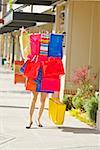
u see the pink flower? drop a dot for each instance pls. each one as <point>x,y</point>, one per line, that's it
<point>80,75</point>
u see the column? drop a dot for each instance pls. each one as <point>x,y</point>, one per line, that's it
<point>98,112</point>
<point>0,50</point>
<point>17,47</point>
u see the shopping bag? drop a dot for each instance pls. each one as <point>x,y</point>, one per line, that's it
<point>19,62</point>
<point>38,83</point>
<point>44,44</point>
<point>38,88</point>
<point>43,58</point>
<point>17,69</point>
<point>53,67</point>
<point>50,84</point>
<point>35,43</point>
<point>22,68</point>
<point>32,68</point>
<point>30,85</point>
<point>24,40</point>
<point>55,45</point>
<point>56,111</point>
<point>18,76</point>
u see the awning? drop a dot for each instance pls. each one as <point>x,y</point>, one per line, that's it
<point>35,2</point>
<point>6,29</point>
<point>15,20</point>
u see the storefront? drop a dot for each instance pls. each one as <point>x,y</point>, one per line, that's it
<point>82,46</point>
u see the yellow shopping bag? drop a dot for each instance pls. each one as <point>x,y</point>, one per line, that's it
<point>56,111</point>
<point>25,44</point>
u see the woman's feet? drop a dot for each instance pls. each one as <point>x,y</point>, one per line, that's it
<point>39,123</point>
<point>29,126</point>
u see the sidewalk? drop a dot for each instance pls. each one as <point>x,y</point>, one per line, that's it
<point>14,101</point>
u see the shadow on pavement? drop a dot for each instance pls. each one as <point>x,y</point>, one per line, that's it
<point>70,129</point>
<point>15,92</point>
<point>79,130</point>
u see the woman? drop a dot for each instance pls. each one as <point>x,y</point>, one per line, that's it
<point>32,107</point>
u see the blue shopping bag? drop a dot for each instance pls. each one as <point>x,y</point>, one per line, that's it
<point>55,45</point>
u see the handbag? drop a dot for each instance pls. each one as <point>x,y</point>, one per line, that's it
<point>32,68</point>
<point>56,111</point>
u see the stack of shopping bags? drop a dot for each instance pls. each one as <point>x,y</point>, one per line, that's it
<point>43,66</point>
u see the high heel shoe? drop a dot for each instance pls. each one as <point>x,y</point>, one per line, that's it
<point>28,127</point>
<point>40,125</point>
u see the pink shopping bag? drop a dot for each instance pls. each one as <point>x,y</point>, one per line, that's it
<point>50,84</point>
<point>35,43</point>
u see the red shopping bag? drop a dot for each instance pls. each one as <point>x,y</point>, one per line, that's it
<point>42,58</point>
<point>30,85</point>
<point>50,84</point>
<point>32,68</point>
<point>53,67</point>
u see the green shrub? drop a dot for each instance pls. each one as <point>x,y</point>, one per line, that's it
<point>82,117</point>
<point>91,106</point>
<point>77,102</point>
<point>68,101</point>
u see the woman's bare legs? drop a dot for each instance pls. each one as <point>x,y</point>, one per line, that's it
<point>56,95</point>
<point>43,98</point>
<point>31,108</point>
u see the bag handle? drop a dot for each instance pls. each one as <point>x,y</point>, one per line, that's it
<point>35,58</point>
